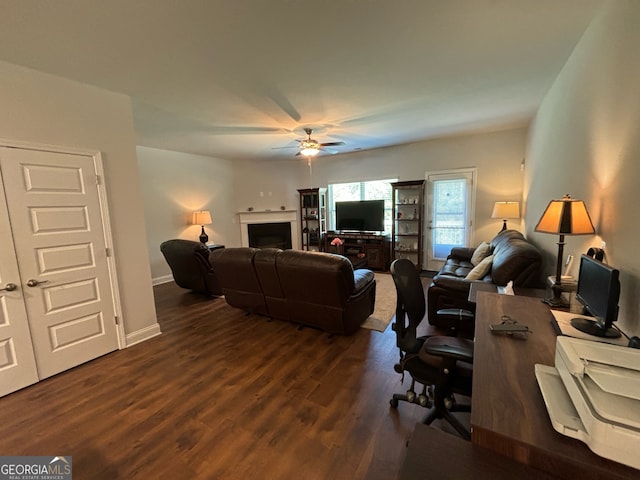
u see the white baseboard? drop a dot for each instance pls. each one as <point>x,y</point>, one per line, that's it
<point>143,334</point>
<point>160,280</point>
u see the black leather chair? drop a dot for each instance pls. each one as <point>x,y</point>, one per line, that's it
<point>440,363</point>
<point>190,266</point>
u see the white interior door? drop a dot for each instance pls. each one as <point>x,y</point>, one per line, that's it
<point>54,210</point>
<point>450,204</point>
<point>17,360</point>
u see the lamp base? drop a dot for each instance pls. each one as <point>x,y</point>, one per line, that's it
<point>556,300</point>
<point>204,238</point>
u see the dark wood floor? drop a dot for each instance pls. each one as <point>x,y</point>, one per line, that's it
<point>221,395</point>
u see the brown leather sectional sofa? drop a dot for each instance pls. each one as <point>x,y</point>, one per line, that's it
<point>317,289</point>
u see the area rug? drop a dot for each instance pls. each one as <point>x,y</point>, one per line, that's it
<point>385,304</point>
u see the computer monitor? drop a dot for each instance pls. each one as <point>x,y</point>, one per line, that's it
<point>598,292</point>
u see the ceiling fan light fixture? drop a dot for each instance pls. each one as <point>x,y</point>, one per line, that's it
<point>309,148</point>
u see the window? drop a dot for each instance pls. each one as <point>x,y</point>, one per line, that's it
<point>371,190</point>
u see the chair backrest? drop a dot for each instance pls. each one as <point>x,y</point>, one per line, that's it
<point>410,306</point>
<point>189,263</point>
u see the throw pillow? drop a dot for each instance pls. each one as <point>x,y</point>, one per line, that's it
<point>480,270</point>
<point>481,252</point>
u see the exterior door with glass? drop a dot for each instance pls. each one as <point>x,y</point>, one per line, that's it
<point>450,206</point>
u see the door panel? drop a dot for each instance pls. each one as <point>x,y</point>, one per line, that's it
<point>450,203</point>
<point>55,213</point>
<point>17,361</point>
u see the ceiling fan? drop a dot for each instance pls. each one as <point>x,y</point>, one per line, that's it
<point>310,147</point>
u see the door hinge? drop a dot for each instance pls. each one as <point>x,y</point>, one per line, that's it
<point>108,251</point>
<point>98,180</point>
<point>116,319</point>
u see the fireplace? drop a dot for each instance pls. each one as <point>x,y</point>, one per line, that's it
<point>263,219</point>
<point>270,235</point>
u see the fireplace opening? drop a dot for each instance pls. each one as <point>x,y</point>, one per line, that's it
<point>270,235</point>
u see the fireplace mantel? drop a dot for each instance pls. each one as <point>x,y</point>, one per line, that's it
<point>269,216</point>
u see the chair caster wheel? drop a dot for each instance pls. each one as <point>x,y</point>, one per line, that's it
<point>423,400</point>
<point>411,396</point>
<point>394,403</point>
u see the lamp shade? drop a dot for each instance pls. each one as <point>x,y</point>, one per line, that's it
<point>506,210</point>
<point>202,218</point>
<point>566,217</point>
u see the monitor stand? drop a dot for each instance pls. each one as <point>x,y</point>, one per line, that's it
<point>593,328</point>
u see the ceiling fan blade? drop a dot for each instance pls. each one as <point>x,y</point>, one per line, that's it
<point>332,144</point>
<point>280,148</point>
<point>242,130</point>
<point>329,150</point>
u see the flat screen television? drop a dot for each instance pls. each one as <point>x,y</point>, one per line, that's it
<point>360,216</point>
<point>599,293</point>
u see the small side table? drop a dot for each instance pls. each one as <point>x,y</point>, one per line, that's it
<point>214,246</point>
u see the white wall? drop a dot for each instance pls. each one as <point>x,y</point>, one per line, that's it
<point>173,186</point>
<point>585,141</point>
<point>45,109</point>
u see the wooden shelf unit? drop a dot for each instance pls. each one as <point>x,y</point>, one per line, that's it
<point>408,221</point>
<point>313,218</point>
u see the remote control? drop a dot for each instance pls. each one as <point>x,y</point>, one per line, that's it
<point>508,328</point>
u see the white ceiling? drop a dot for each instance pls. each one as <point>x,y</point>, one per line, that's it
<point>237,78</point>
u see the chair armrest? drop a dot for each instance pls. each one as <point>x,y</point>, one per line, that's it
<point>454,348</point>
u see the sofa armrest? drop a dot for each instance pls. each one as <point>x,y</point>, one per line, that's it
<point>361,279</point>
<point>450,282</point>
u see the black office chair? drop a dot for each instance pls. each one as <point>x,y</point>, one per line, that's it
<point>190,266</point>
<point>442,364</point>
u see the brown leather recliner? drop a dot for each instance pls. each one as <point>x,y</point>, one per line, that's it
<point>514,259</point>
<point>189,263</point>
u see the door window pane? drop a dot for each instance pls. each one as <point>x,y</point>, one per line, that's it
<point>449,215</point>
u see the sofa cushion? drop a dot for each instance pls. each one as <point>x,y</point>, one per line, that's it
<point>481,269</point>
<point>455,267</point>
<point>481,252</point>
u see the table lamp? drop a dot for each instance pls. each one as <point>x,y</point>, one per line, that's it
<point>202,218</point>
<point>564,217</point>
<point>506,210</point>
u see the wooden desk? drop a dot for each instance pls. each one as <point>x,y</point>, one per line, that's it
<point>433,453</point>
<point>508,414</point>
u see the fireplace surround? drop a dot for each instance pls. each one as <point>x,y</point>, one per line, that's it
<point>269,217</point>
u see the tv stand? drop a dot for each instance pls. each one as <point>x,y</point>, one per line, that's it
<point>372,247</point>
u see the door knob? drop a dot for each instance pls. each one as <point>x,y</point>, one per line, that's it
<point>9,288</point>
<point>34,283</point>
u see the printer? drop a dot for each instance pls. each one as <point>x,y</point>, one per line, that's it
<point>593,394</point>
